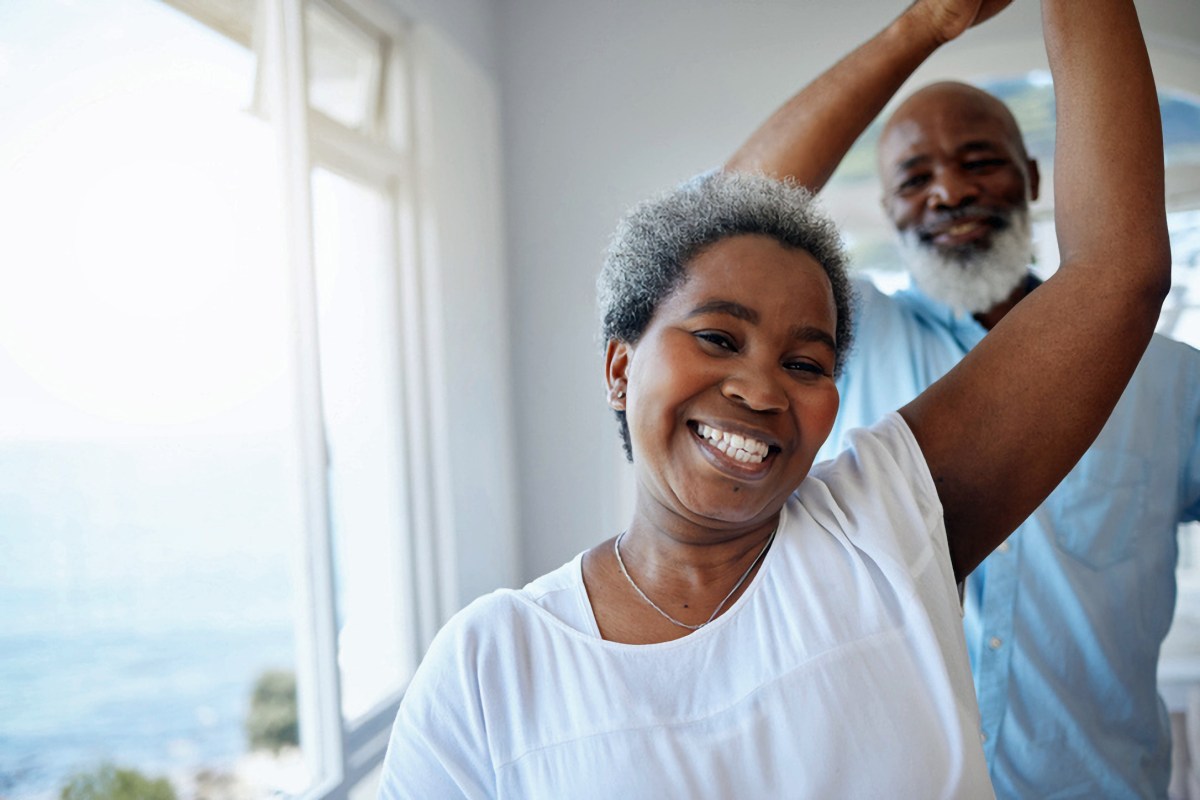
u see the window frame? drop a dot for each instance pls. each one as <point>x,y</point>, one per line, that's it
<point>340,754</point>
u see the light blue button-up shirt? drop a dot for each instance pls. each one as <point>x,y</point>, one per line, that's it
<point>1064,621</point>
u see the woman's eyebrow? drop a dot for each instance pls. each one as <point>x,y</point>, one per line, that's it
<point>803,333</point>
<point>725,307</point>
<point>811,333</point>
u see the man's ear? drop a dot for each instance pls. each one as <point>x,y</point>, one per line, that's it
<point>1035,179</point>
<point>885,205</point>
<point>616,372</point>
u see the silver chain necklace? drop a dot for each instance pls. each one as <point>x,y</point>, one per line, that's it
<point>720,605</point>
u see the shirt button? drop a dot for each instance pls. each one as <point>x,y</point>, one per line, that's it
<point>983,737</point>
<point>1003,548</point>
<point>995,643</point>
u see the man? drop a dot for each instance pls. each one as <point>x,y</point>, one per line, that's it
<point>1064,622</point>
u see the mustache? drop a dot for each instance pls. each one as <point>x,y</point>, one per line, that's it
<point>999,219</point>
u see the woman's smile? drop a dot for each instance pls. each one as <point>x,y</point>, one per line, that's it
<point>741,455</point>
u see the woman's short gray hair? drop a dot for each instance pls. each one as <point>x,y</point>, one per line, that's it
<point>652,246</point>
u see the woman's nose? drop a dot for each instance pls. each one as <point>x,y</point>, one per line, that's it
<point>756,389</point>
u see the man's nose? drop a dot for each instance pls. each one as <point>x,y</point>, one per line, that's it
<point>952,189</point>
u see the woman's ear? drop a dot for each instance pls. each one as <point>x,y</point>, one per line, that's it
<point>616,369</point>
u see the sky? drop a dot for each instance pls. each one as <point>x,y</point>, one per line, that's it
<point>144,286</point>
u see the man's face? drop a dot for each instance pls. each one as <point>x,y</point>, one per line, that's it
<point>957,186</point>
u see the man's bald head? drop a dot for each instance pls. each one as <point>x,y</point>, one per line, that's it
<point>928,106</point>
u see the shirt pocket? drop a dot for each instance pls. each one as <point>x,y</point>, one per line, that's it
<point>1099,509</point>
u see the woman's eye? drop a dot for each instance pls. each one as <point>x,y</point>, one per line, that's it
<point>719,339</point>
<point>806,367</point>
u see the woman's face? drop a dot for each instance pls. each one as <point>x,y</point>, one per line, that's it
<point>729,393</point>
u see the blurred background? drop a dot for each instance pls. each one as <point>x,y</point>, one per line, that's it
<point>298,350</point>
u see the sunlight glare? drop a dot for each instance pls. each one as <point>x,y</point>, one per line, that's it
<point>144,282</point>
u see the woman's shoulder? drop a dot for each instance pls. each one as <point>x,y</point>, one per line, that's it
<point>881,473</point>
<point>477,626</point>
<point>887,445</point>
<point>492,621</point>
<point>563,579</point>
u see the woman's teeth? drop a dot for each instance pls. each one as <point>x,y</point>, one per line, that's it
<point>736,446</point>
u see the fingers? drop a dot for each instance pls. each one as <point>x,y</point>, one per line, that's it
<point>989,9</point>
<point>948,19</point>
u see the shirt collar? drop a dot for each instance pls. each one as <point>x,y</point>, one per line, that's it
<point>937,312</point>
<point>962,323</point>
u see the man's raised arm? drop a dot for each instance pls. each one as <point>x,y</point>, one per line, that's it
<point>1005,425</point>
<point>809,135</point>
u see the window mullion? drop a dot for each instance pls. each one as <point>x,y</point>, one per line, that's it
<point>318,688</point>
<point>429,545</point>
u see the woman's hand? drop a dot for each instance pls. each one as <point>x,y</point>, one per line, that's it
<point>947,19</point>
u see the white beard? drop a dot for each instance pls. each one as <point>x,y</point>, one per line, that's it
<point>972,283</point>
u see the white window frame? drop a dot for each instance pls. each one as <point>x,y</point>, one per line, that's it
<point>340,754</point>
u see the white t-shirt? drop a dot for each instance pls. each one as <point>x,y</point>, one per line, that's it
<point>841,672</point>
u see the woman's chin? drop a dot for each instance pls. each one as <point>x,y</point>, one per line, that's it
<point>743,511</point>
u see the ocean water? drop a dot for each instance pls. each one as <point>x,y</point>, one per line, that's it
<point>167,702</point>
<point>144,586</point>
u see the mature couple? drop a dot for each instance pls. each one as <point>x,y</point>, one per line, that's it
<point>766,627</point>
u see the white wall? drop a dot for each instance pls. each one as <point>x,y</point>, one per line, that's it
<point>463,241</point>
<point>468,26</point>
<point>606,102</point>
<point>462,244</point>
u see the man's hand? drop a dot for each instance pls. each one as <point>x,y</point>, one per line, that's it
<point>948,19</point>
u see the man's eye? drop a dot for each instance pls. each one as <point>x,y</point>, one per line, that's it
<point>719,339</point>
<point>984,164</point>
<point>912,183</point>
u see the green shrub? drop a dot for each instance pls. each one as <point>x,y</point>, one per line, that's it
<point>108,782</point>
<point>272,722</point>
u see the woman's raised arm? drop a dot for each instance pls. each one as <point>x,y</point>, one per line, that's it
<point>1002,428</point>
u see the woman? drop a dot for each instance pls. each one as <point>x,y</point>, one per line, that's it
<point>747,638</point>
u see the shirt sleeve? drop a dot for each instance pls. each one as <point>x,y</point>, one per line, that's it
<point>414,769</point>
<point>1191,477</point>
<point>882,489</point>
<point>879,495</point>
<point>439,745</point>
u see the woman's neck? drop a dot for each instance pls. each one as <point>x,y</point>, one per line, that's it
<point>665,581</point>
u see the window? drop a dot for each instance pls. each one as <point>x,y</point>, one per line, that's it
<point>210,394</point>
